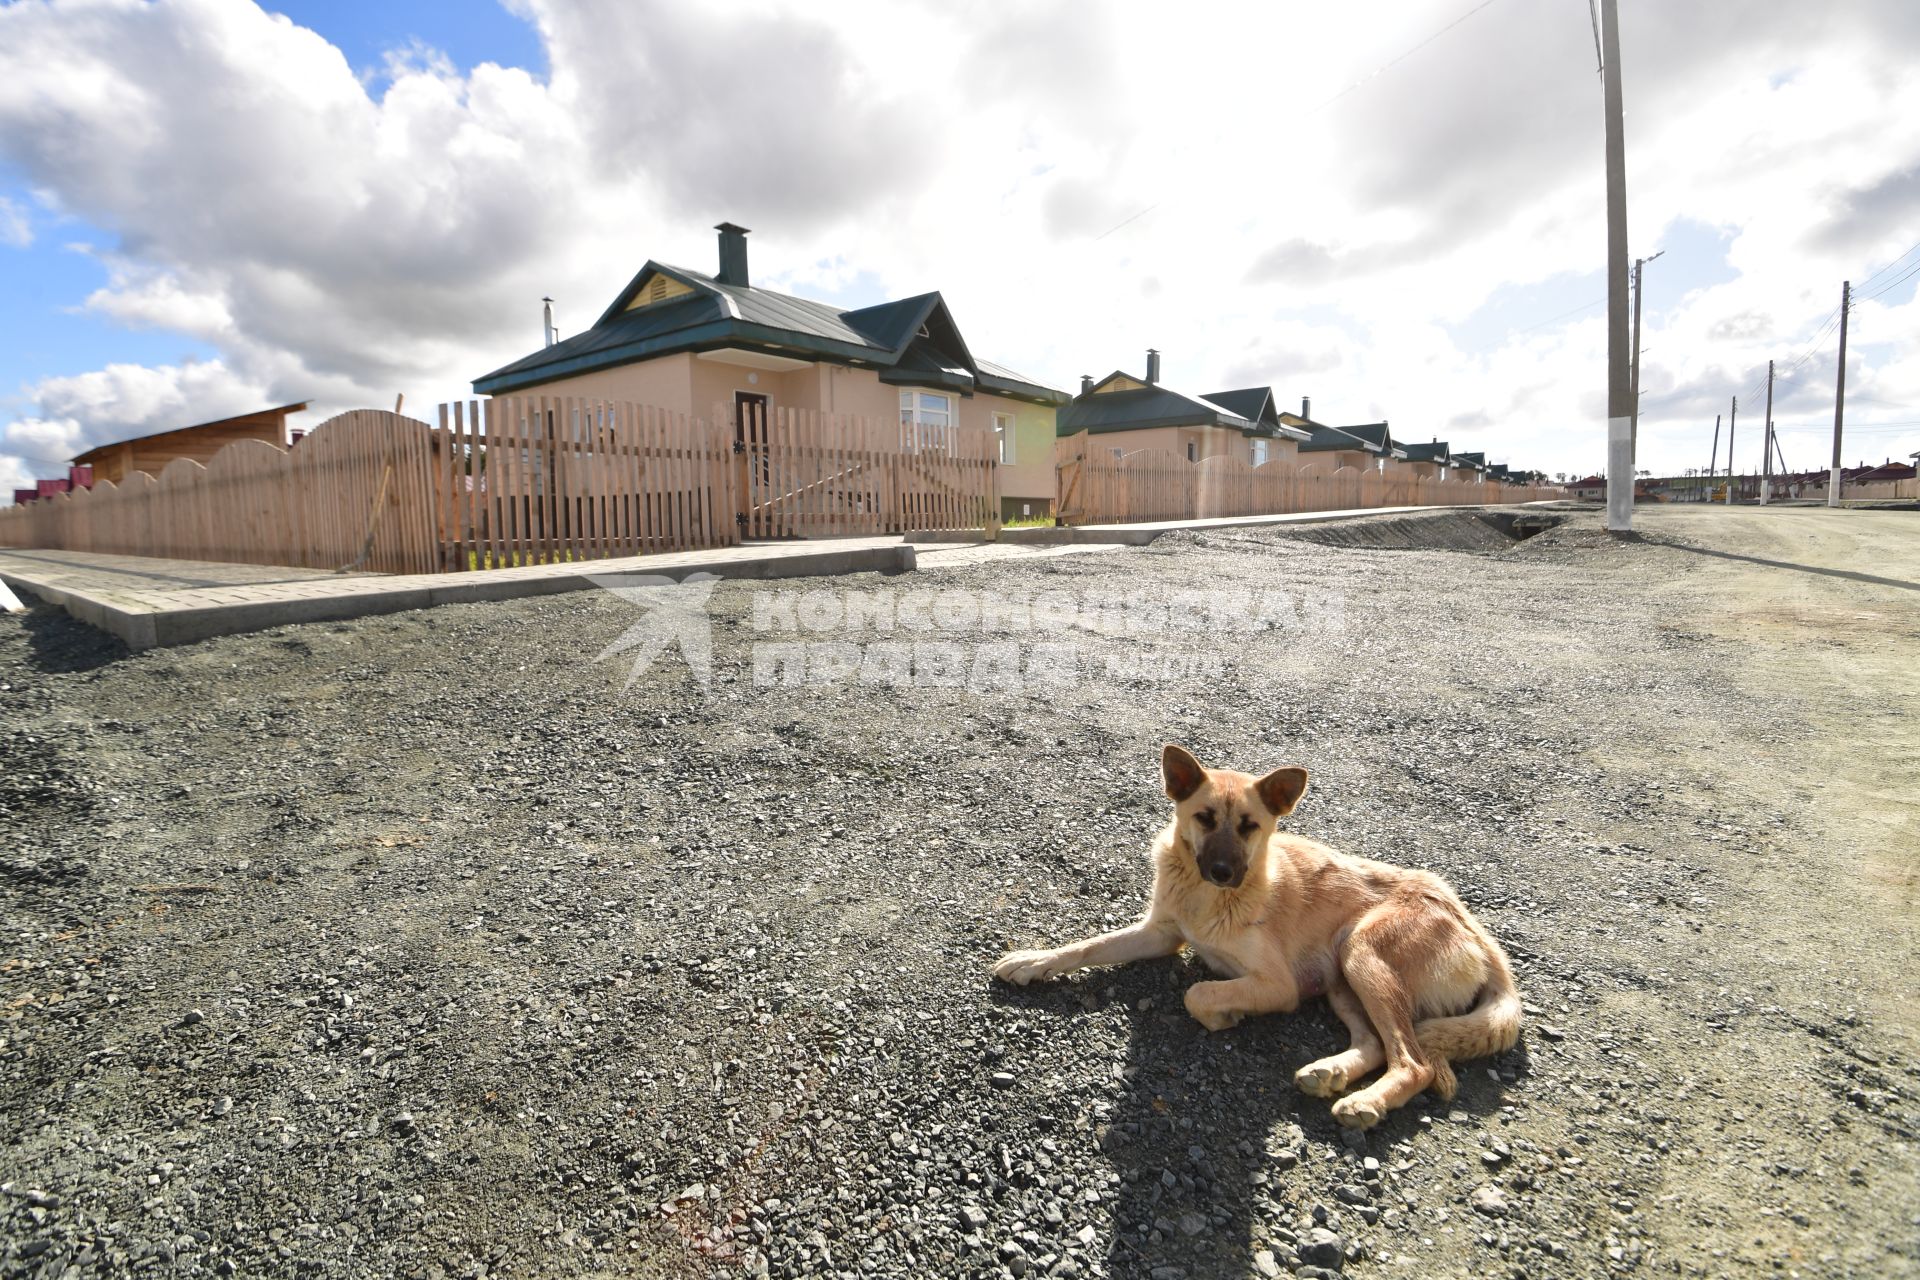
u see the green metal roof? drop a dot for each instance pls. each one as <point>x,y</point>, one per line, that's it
<point>1256,405</point>
<point>1329,439</point>
<point>1139,408</point>
<point>1434,452</point>
<point>718,315</point>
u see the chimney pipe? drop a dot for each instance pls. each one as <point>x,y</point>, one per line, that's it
<point>1306,407</point>
<point>1153,365</point>
<point>547,334</point>
<point>1086,383</point>
<point>733,254</point>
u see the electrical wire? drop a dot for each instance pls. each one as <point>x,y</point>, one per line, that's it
<point>1890,266</point>
<point>1388,66</point>
<point>1891,285</point>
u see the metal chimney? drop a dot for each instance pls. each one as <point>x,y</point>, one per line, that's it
<point>733,254</point>
<point>1153,365</point>
<point>548,335</point>
<point>1086,383</point>
<point>1306,407</point>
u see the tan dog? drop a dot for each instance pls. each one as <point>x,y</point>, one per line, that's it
<point>1418,981</point>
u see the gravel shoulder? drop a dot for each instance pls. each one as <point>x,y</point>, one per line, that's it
<point>424,945</point>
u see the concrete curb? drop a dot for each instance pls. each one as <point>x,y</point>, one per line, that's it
<point>146,627</point>
<point>1139,535</point>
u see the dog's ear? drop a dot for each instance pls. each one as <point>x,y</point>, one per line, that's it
<point>1282,789</point>
<point>1180,771</point>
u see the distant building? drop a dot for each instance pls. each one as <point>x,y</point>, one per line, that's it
<point>151,453</point>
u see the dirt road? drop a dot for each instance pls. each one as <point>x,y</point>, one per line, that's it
<point>425,945</point>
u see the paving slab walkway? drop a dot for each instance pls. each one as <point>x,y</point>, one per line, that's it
<point>1139,535</point>
<point>152,602</point>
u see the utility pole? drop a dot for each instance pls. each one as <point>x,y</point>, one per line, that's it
<point>1839,394</point>
<point>1732,422</point>
<point>1766,444</point>
<point>1619,389</point>
<point>1715,459</point>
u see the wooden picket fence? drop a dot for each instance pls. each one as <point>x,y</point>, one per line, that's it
<point>1148,485</point>
<point>543,479</point>
<point>803,473</point>
<point>521,480</point>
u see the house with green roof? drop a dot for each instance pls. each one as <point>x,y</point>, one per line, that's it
<point>704,344</point>
<point>1428,461</point>
<point>1129,413</point>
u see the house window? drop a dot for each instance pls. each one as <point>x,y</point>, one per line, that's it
<point>1003,432</point>
<point>1259,452</point>
<point>927,417</point>
<point>1193,451</point>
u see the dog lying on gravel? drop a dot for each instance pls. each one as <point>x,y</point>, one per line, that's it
<point>1419,982</point>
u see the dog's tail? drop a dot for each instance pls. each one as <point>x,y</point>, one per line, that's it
<point>1491,1026</point>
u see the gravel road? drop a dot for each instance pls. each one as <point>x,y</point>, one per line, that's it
<point>425,946</point>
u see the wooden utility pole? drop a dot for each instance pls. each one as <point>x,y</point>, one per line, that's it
<point>1839,395</point>
<point>1715,459</point>
<point>1766,443</point>
<point>1619,388</point>
<point>1733,420</point>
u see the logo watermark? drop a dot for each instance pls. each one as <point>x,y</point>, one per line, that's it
<point>983,641</point>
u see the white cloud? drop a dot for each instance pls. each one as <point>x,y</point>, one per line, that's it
<point>15,231</point>
<point>1081,187</point>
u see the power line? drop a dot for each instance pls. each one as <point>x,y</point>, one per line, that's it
<point>1893,284</point>
<point>1377,72</point>
<point>1882,271</point>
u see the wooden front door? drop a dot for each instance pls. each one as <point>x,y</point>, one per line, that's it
<point>750,455</point>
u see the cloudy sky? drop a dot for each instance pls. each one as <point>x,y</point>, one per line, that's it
<point>1394,208</point>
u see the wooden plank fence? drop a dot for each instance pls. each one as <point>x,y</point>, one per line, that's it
<point>802,473</point>
<point>350,494</point>
<point>529,480</point>
<point>1149,485</point>
<point>542,479</point>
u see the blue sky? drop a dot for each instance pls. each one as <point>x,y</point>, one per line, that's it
<point>469,32</point>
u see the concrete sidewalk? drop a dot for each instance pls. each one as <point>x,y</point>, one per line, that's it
<point>1139,535</point>
<point>151,603</point>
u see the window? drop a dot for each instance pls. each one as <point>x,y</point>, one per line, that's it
<point>1193,452</point>
<point>927,419</point>
<point>1003,432</point>
<point>1259,452</point>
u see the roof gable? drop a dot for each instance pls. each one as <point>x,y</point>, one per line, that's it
<point>670,282</point>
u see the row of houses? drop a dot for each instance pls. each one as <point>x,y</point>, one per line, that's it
<point>1143,413</point>
<point>687,341</point>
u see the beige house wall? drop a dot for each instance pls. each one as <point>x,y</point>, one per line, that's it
<point>684,383</point>
<point>666,382</point>
<point>1207,441</point>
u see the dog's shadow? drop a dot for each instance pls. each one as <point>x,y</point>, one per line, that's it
<point>1217,1152</point>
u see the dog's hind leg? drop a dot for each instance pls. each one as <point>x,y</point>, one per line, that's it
<point>1332,1076</point>
<point>1371,965</point>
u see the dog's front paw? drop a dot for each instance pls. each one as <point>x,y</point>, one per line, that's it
<point>1022,967</point>
<point>1323,1079</point>
<point>1208,1011</point>
<point>1358,1112</point>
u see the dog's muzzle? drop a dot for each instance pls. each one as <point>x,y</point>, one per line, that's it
<point>1222,860</point>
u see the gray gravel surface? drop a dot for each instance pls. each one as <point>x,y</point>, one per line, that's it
<point>419,946</point>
